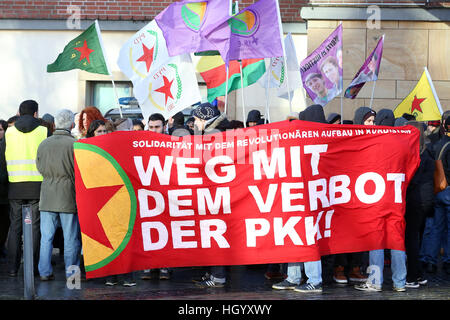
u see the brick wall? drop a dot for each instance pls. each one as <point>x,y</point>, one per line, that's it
<point>147,9</point>
<point>113,9</point>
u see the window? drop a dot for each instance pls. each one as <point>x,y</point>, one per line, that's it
<point>103,96</point>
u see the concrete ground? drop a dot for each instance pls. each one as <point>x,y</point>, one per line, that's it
<point>244,283</point>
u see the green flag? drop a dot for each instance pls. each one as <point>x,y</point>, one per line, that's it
<point>84,52</point>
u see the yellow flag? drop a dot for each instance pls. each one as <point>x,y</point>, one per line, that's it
<point>422,101</point>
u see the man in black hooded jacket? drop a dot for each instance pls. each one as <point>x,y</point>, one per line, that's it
<point>24,179</point>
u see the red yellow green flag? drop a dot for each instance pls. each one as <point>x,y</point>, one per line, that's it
<point>422,101</point>
<point>213,71</point>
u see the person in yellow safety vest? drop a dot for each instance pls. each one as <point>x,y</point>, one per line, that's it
<point>18,162</point>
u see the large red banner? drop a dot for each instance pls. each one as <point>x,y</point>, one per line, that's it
<point>282,192</point>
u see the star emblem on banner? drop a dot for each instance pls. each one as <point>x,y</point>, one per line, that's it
<point>147,56</point>
<point>92,226</point>
<point>166,88</point>
<point>84,51</point>
<point>415,105</point>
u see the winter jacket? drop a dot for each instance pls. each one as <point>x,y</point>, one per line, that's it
<point>28,190</point>
<point>55,163</point>
<point>445,155</point>
<point>420,192</point>
<point>220,123</point>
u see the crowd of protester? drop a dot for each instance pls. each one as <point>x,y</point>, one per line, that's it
<point>37,168</point>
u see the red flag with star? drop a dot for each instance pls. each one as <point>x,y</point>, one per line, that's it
<point>422,101</point>
<point>84,52</point>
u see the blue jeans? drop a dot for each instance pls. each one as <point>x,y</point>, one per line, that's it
<point>398,267</point>
<point>72,243</point>
<point>425,248</point>
<point>313,270</point>
<point>441,224</point>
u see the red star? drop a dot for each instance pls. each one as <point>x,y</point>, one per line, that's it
<point>147,57</point>
<point>84,51</point>
<point>90,202</point>
<point>166,88</point>
<point>416,104</point>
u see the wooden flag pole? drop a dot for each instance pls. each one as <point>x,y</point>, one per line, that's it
<point>242,95</point>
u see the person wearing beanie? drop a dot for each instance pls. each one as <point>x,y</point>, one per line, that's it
<point>313,113</point>
<point>365,116</point>
<point>385,117</point>
<point>254,118</point>
<point>207,119</point>
<point>334,118</point>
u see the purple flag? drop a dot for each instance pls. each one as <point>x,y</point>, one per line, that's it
<point>368,71</point>
<point>182,22</point>
<point>253,33</point>
<point>322,70</point>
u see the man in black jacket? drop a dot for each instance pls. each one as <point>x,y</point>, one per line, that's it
<point>18,158</point>
<point>441,219</point>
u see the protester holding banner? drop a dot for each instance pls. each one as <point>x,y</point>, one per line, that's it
<point>57,202</point>
<point>419,204</point>
<point>366,116</point>
<point>313,269</point>
<point>441,220</point>
<point>208,119</point>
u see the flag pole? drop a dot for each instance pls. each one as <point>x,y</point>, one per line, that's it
<point>371,97</point>
<point>284,54</point>
<point>267,91</point>
<point>242,94</point>
<point>287,81</point>
<point>97,27</point>
<point>433,90</point>
<point>226,91</point>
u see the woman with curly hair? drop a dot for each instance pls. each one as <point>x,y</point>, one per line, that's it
<point>87,115</point>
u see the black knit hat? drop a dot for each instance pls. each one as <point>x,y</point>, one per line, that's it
<point>206,111</point>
